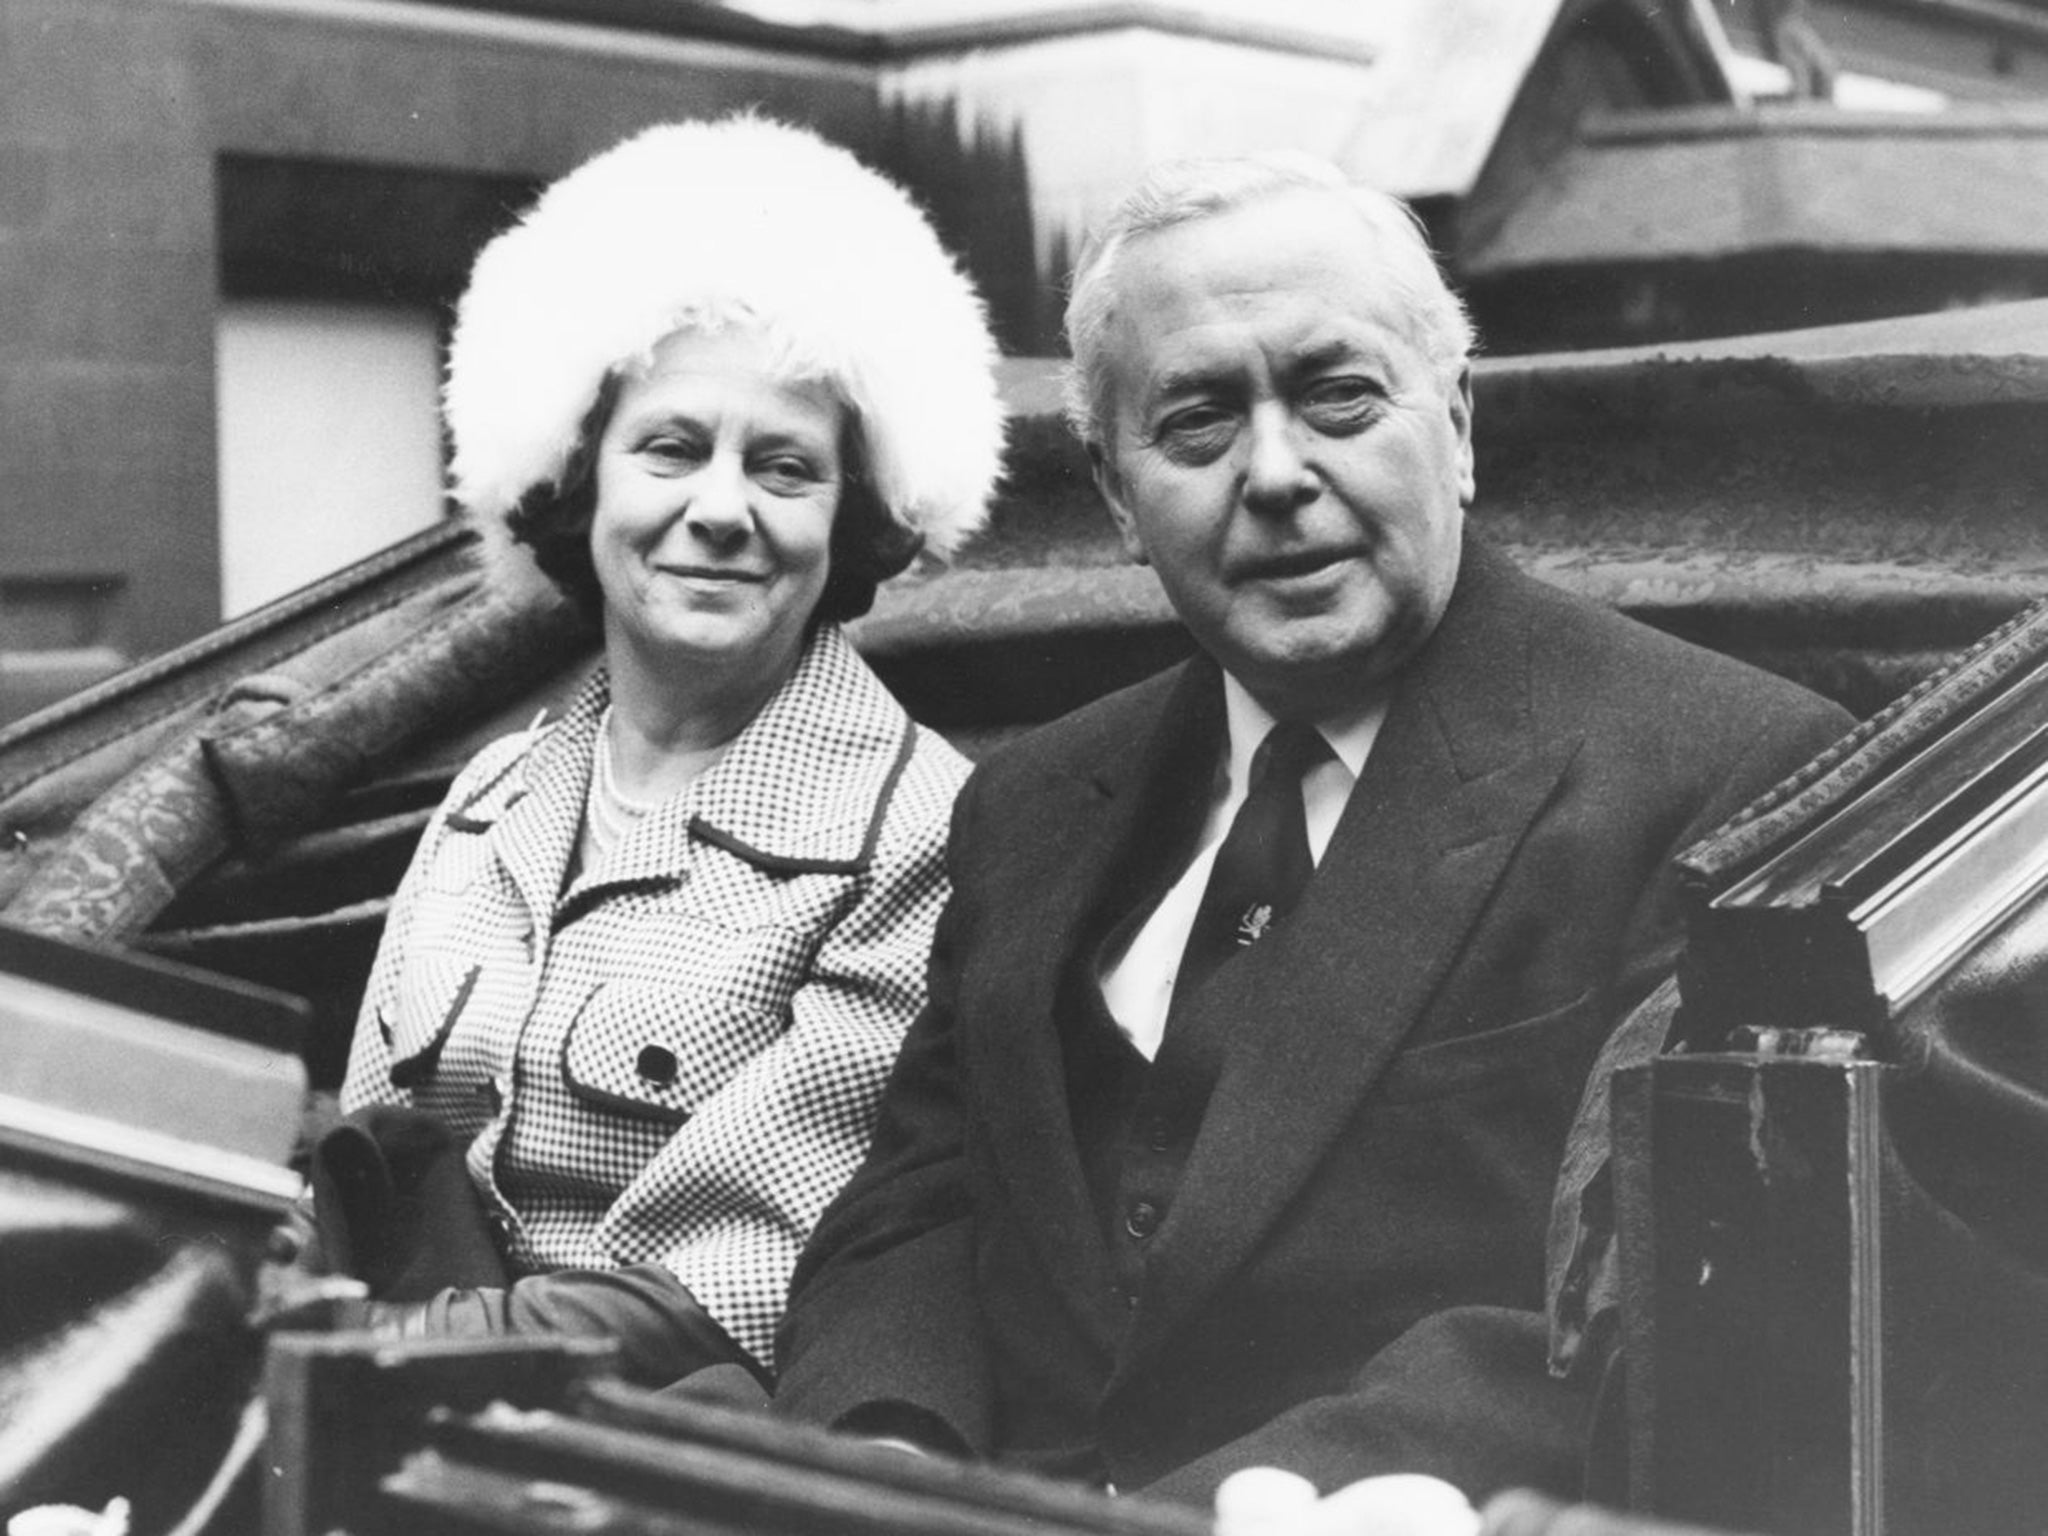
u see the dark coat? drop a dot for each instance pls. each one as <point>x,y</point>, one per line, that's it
<point>1350,1279</point>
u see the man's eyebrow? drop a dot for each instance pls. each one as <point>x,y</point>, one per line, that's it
<point>1336,350</point>
<point>1181,379</point>
<point>1184,379</point>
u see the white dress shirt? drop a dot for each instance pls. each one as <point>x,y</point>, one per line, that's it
<point>1137,985</point>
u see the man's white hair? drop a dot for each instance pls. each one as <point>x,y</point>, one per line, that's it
<point>710,226</point>
<point>1182,191</point>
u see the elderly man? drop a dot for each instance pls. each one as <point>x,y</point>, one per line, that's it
<point>1268,986</point>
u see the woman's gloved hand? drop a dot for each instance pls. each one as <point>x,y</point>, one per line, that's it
<point>663,1333</point>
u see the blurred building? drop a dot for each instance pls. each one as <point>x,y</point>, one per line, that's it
<point>1718,222</point>
<point>1891,54</point>
<point>1877,158</point>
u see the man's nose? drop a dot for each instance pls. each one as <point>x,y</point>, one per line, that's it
<point>719,509</point>
<point>1278,477</point>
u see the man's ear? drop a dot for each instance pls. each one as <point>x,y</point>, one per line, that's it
<point>1461,418</point>
<point>1111,486</point>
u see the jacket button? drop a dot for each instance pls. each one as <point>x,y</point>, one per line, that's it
<point>657,1064</point>
<point>1142,1220</point>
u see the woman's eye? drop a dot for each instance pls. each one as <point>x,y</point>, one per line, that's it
<point>786,473</point>
<point>669,451</point>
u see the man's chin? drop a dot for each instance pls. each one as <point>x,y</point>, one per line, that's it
<point>1336,657</point>
<point>1311,685</point>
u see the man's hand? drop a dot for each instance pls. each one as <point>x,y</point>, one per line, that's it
<point>1267,1501</point>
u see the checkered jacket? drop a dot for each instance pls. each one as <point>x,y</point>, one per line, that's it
<point>677,1058</point>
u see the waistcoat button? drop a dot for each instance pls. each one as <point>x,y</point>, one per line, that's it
<point>1142,1220</point>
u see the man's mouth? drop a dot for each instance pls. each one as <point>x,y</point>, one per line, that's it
<point>1297,563</point>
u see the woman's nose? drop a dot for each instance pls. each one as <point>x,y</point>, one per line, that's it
<point>1278,478</point>
<point>718,508</point>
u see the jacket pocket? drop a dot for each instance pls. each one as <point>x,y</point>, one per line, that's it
<point>1514,1052</point>
<point>433,989</point>
<point>654,1052</point>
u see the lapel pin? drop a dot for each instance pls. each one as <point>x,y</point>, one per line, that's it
<point>1253,925</point>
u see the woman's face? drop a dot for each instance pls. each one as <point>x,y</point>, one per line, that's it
<point>717,481</point>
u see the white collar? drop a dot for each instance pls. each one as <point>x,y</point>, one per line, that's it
<point>1350,733</point>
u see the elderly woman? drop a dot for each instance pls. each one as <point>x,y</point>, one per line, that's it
<point>652,959</point>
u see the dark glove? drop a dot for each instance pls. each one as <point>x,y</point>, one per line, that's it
<point>663,1333</point>
<point>396,1207</point>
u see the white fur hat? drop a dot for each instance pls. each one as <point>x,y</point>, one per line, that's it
<point>738,222</point>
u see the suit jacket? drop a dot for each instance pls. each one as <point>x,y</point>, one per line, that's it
<point>1350,1278</point>
<point>674,1058</point>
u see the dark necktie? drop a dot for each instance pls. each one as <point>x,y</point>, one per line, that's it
<point>1263,863</point>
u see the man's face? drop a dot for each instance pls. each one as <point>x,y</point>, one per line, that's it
<point>1281,451</point>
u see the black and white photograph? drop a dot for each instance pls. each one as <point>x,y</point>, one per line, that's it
<point>1023,767</point>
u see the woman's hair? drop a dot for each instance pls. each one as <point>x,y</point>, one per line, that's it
<point>1182,191</point>
<point>747,225</point>
<point>553,520</point>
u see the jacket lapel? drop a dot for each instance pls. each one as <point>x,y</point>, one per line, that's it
<point>1092,839</point>
<point>806,785</point>
<point>1316,1011</point>
<point>542,806</point>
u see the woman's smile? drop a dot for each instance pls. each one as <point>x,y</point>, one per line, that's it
<point>712,576</point>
